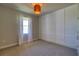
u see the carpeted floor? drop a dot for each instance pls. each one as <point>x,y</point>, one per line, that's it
<point>38,48</point>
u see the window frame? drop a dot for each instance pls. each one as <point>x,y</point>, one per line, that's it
<point>26,25</point>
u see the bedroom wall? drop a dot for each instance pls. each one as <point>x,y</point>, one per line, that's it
<point>9,26</point>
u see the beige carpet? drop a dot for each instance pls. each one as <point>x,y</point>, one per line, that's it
<point>38,48</point>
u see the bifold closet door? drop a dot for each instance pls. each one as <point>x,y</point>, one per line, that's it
<point>78,30</point>
<point>60,26</point>
<point>70,26</point>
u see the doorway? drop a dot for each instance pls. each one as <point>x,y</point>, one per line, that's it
<point>25,30</point>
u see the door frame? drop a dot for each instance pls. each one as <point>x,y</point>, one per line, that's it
<point>20,29</point>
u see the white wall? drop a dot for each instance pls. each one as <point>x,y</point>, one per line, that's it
<point>60,26</point>
<point>35,27</point>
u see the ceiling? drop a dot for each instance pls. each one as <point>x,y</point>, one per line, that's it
<point>28,8</point>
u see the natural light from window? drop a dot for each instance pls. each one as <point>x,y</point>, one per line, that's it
<point>25,25</point>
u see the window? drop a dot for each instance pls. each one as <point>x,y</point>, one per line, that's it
<point>25,25</point>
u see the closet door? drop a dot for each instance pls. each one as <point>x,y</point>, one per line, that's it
<point>51,27</point>
<point>60,26</point>
<point>78,30</point>
<point>70,26</point>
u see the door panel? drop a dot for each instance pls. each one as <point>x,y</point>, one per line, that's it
<point>78,30</point>
<point>70,26</point>
<point>60,26</point>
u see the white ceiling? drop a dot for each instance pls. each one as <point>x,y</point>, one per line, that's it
<point>28,8</point>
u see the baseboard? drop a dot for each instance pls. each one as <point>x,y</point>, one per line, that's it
<point>34,40</point>
<point>58,44</point>
<point>30,41</point>
<point>6,46</point>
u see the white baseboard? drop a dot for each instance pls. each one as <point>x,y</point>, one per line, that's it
<point>6,46</point>
<point>58,44</point>
<point>35,39</point>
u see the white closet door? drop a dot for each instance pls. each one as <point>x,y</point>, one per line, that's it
<point>51,27</point>
<point>60,26</point>
<point>47,27</point>
<point>70,26</point>
<point>78,30</point>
